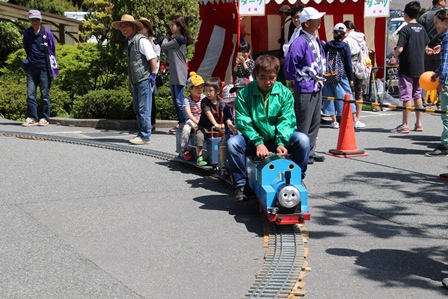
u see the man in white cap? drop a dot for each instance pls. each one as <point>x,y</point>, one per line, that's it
<point>142,66</point>
<point>305,65</point>
<point>40,66</point>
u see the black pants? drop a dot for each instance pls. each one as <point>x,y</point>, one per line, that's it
<point>307,107</point>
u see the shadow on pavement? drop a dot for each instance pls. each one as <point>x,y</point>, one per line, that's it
<point>397,267</point>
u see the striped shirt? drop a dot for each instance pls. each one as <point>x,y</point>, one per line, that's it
<point>195,107</point>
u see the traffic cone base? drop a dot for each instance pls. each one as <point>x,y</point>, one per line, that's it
<point>346,140</point>
<point>443,176</point>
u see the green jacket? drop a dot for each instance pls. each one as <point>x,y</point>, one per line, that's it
<point>257,125</point>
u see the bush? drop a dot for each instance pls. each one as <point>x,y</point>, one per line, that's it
<point>111,104</point>
<point>164,104</point>
<point>13,100</point>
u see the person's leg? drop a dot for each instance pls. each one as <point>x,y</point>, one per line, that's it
<point>200,139</point>
<point>418,103</point>
<point>300,150</point>
<point>308,108</point>
<point>45,84</point>
<point>177,94</point>
<point>444,106</point>
<point>142,107</point>
<point>405,89</point>
<point>153,111</point>
<point>237,149</point>
<point>316,105</point>
<point>186,130</point>
<point>32,81</point>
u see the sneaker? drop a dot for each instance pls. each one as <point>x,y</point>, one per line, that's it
<point>30,122</point>
<point>43,122</point>
<point>334,125</point>
<point>201,162</point>
<point>400,129</point>
<point>440,150</point>
<point>418,128</point>
<point>239,194</point>
<point>139,141</point>
<point>359,124</point>
<point>186,154</point>
<point>445,282</point>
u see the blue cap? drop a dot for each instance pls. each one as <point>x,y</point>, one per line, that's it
<point>34,14</point>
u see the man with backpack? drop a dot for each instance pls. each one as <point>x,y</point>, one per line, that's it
<point>360,53</point>
<point>338,75</point>
<point>40,66</point>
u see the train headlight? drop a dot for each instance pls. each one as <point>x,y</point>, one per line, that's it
<point>288,196</point>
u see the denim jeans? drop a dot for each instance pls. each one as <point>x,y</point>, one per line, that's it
<point>337,90</point>
<point>238,148</point>
<point>444,106</point>
<point>142,104</point>
<point>37,77</point>
<point>177,95</point>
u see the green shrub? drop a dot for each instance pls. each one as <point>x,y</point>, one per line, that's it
<point>111,104</point>
<point>164,104</point>
<point>13,99</point>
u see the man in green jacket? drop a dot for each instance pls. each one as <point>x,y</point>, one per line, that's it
<point>265,117</point>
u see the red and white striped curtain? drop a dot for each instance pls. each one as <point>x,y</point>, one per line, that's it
<point>220,29</point>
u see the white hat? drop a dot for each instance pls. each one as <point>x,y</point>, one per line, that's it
<point>340,27</point>
<point>310,13</point>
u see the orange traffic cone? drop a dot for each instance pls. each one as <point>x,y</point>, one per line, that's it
<point>346,140</point>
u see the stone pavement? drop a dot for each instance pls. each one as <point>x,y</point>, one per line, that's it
<point>84,222</point>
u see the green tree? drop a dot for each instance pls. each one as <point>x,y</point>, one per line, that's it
<point>98,20</point>
<point>11,39</point>
<point>52,6</point>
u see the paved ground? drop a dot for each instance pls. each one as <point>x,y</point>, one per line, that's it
<point>84,222</point>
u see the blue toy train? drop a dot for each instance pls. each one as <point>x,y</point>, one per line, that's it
<point>275,181</point>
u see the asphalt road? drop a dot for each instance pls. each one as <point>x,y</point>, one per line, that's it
<point>85,222</point>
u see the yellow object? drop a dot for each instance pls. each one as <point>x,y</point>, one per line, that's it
<point>194,80</point>
<point>368,62</point>
<point>432,97</point>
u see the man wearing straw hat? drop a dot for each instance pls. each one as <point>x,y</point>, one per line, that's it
<point>142,66</point>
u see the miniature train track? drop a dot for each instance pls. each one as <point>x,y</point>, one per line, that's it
<point>285,264</point>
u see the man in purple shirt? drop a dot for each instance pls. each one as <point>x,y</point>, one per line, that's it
<point>305,66</point>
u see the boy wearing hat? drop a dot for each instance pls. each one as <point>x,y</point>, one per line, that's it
<point>40,66</point>
<point>142,66</point>
<point>305,66</point>
<point>192,106</point>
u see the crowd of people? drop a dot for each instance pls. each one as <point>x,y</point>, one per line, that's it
<point>258,114</point>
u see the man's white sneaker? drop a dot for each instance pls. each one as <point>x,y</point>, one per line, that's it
<point>359,124</point>
<point>43,122</point>
<point>334,125</point>
<point>30,122</point>
<point>139,141</point>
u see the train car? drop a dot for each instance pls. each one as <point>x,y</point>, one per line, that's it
<point>275,181</point>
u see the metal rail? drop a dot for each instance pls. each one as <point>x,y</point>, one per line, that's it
<point>86,142</point>
<point>285,257</point>
<point>284,263</point>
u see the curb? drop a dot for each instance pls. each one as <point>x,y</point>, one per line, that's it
<point>106,124</point>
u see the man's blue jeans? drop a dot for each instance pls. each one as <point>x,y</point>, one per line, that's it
<point>37,77</point>
<point>177,95</point>
<point>238,148</point>
<point>142,104</point>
